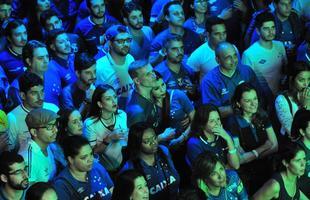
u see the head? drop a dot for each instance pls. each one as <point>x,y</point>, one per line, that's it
<point>31,90</point>
<point>226,56</point>
<point>78,153</point>
<point>5,9</point>
<point>96,8</point>
<point>174,48</point>
<point>283,8</point>
<point>16,33</point>
<point>141,140</point>
<point>216,30</point>
<point>132,15</point>
<point>199,6</point>
<point>118,39</point>
<point>131,185</point>
<point>13,171</point>
<point>209,171</point>
<point>41,191</point>
<point>300,78</point>
<point>265,26</point>
<point>50,20</point>
<point>245,99</point>
<point>301,125</point>
<point>142,73</point>
<point>159,90</point>
<point>85,68</point>
<point>174,13</point>
<point>42,5</point>
<point>35,56</point>
<point>58,42</point>
<point>70,123</point>
<point>42,125</point>
<point>206,118</point>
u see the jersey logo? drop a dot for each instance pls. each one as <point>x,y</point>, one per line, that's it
<point>262,61</point>
<point>224,91</point>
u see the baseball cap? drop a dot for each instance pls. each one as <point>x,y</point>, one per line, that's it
<point>40,117</point>
<point>3,122</point>
<point>112,32</point>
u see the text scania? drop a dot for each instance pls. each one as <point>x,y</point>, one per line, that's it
<point>162,185</point>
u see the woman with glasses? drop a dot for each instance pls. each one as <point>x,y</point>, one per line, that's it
<point>106,127</point>
<point>153,161</point>
<point>83,178</point>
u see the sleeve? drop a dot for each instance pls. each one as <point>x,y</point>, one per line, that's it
<point>185,102</point>
<point>52,87</point>
<point>62,190</point>
<point>123,119</point>
<point>283,112</point>
<point>241,191</point>
<point>33,171</point>
<point>66,100</point>
<point>193,150</point>
<point>89,132</point>
<point>246,60</point>
<point>12,131</point>
<point>232,126</point>
<point>209,94</point>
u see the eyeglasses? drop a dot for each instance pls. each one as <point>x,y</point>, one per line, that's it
<point>150,141</point>
<point>49,127</point>
<point>123,41</point>
<point>19,172</point>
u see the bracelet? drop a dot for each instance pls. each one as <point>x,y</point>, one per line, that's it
<point>233,151</point>
<point>255,153</point>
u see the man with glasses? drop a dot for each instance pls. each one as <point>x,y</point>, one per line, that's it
<point>13,176</point>
<point>42,124</point>
<point>112,69</point>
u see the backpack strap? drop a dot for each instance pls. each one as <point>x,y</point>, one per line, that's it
<point>289,103</point>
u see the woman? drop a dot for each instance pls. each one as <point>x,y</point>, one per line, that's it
<point>153,161</point>
<point>301,130</point>
<point>298,96</point>
<point>254,136</point>
<point>41,191</point>
<point>82,178</point>
<point>130,185</point>
<point>284,185</point>
<point>106,127</point>
<point>210,176</point>
<point>209,135</point>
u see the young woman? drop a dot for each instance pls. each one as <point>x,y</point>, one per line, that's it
<point>210,176</point>
<point>301,130</point>
<point>130,185</point>
<point>284,185</point>
<point>153,161</point>
<point>41,191</point>
<point>106,127</point>
<point>210,136</point>
<point>253,136</point>
<point>82,178</point>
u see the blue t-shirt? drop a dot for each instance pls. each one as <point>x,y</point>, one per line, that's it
<point>98,185</point>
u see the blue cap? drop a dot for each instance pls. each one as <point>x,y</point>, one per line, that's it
<point>114,30</point>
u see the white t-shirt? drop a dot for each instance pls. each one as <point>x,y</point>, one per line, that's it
<point>266,63</point>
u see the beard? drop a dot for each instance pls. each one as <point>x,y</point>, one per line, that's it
<point>20,186</point>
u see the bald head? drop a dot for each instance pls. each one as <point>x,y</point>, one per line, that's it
<point>222,47</point>
<point>226,55</point>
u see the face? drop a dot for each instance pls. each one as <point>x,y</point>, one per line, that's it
<point>83,162</point>
<point>18,177</point>
<point>228,58</point>
<point>175,52</point>
<point>47,133</point>
<point>121,44</point>
<point>40,60</point>
<point>135,19</point>
<point>141,191</point>
<point>297,165</point>
<point>176,15</point>
<point>5,12</point>
<point>53,23</point>
<point>149,142</point>
<point>146,76</point>
<point>33,97</point>
<point>267,31</point>
<point>49,195</point>
<point>214,121</point>
<point>218,177</point>
<point>19,36</point>
<point>160,89</point>
<point>200,6</point>
<point>249,102</point>
<point>218,34</point>
<point>302,80</point>
<point>306,133</point>
<point>88,76</point>
<point>62,44</point>
<point>97,8</point>
<point>75,123</point>
<point>108,101</point>
<point>284,8</point>
<point>43,5</point>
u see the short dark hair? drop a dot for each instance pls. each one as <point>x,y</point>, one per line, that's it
<point>263,17</point>
<point>212,21</point>
<point>136,65</point>
<point>129,7</point>
<point>11,26</point>
<point>300,121</point>
<point>29,48</point>
<point>83,61</point>
<point>8,2</point>
<point>52,35</point>
<point>88,3</point>
<point>73,144</point>
<point>47,15</point>
<point>29,80</point>
<point>167,6</point>
<point>37,190</point>
<point>170,38</point>
<point>8,158</point>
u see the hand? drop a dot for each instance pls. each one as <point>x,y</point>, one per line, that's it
<point>226,13</point>
<point>304,97</point>
<point>177,141</point>
<point>113,136</point>
<point>167,135</point>
<point>90,92</point>
<point>239,5</point>
<point>220,131</point>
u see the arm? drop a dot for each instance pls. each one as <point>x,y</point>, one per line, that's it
<point>303,196</point>
<point>273,140</point>
<point>284,114</point>
<point>269,191</point>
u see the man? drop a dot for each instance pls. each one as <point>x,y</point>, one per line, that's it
<point>174,15</point>
<point>266,57</point>
<point>60,71</point>
<point>303,52</point>
<point>5,14</point>
<point>112,69</point>
<point>141,35</point>
<point>92,28</point>
<point>218,85</point>
<point>78,95</point>
<point>202,60</point>
<point>13,176</point>
<point>42,125</point>
<point>10,58</point>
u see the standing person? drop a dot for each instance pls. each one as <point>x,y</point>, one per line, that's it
<point>153,161</point>
<point>82,178</point>
<point>284,184</point>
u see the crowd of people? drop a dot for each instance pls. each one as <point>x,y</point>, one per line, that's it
<point>154,99</point>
